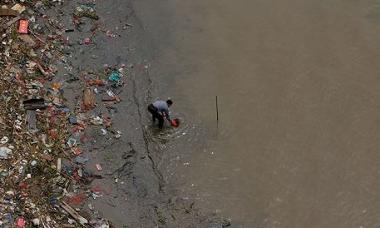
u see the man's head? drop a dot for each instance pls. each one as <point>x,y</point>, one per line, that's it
<point>169,102</point>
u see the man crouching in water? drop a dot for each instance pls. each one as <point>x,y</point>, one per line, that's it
<point>160,110</point>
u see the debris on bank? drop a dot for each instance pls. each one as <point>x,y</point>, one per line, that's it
<point>46,170</point>
<point>43,180</point>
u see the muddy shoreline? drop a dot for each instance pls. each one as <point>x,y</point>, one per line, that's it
<point>78,146</point>
<point>134,191</point>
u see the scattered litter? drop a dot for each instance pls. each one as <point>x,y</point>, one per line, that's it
<point>96,82</point>
<point>73,119</point>
<point>59,165</point>
<point>20,222</point>
<point>8,12</point>
<point>86,10</point>
<point>19,8</point>
<point>97,120</point>
<point>76,150</point>
<point>73,213</point>
<point>110,34</point>
<point>72,142</point>
<point>114,76</point>
<point>87,41</point>
<point>77,199</point>
<point>99,167</point>
<point>5,152</point>
<point>111,97</point>
<point>45,133</point>
<point>110,93</point>
<point>53,134</point>
<point>88,99</point>
<point>4,140</point>
<point>23,27</point>
<point>33,104</point>
<point>118,134</point>
<point>36,222</point>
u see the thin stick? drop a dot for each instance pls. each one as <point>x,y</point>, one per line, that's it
<point>217,110</point>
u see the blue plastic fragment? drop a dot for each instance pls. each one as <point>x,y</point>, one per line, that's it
<point>73,119</point>
<point>114,76</point>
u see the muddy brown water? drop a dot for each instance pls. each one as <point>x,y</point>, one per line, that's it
<point>298,83</point>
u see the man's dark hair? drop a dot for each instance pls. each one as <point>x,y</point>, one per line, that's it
<point>169,102</point>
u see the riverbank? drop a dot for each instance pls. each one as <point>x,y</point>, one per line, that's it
<point>96,83</point>
<point>138,195</point>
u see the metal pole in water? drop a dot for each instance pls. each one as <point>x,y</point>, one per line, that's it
<point>217,110</point>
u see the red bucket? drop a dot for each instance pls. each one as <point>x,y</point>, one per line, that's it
<point>175,122</point>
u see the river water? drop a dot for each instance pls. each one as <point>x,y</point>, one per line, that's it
<point>298,84</point>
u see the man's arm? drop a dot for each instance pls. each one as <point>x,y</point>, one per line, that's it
<point>166,114</point>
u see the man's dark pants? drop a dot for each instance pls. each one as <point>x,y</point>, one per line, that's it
<point>156,115</point>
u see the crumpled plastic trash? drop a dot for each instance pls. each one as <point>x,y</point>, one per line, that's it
<point>81,160</point>
<point>110,34</point>
<point>100,223</point>
<point>86,10</point>
<point>73,120</point>
<point>4,140</point>
<point>110,93</point>
<point>20,222</point>
<point>98,167</point>
<point>19,8</point>
<point>36,222</point>
<point>118,134</point>
<point>97,120</point>
<point>114,76</point>
<point>5,152</point>
<point>71,142</point>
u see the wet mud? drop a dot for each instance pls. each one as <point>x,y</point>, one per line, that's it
<point>298,88</point>
<point>132,190</point>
